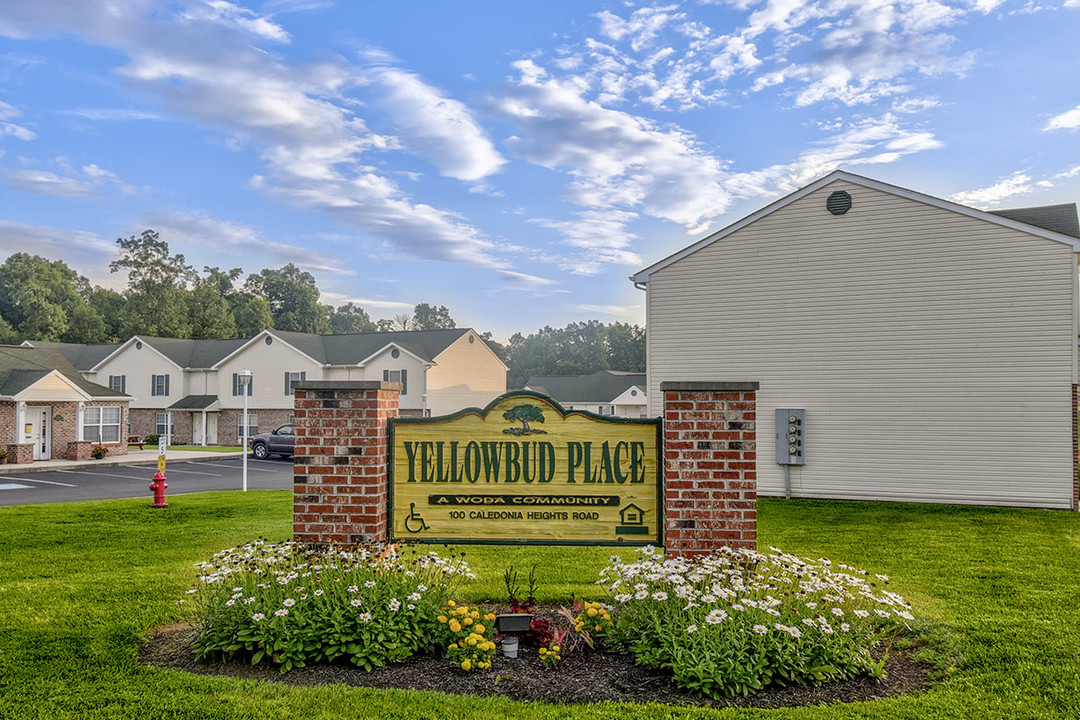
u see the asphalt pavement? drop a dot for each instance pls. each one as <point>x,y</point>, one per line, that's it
<point>87,482</point>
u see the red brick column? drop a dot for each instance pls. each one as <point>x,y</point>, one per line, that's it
<point>340,466</point>
<point>710,466</point>
<point>20,453</point>
<point>78,450</point>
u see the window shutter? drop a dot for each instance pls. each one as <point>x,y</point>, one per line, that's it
<point>235,384</point>
<point>166,386</point>
<point>287,388</point>
<point>404,381</point>
<point>153,384</point>
<point>123,383</point>
<point>303,375</point>
<point>251,385</point>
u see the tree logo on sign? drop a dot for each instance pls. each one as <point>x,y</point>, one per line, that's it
<point>524,414</point>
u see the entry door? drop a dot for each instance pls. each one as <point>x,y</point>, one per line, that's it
<point>196,428</point>
<point>40,419</point>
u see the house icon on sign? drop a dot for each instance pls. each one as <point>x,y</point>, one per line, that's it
<point>633,521</point>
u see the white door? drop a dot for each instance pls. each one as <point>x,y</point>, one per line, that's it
<point>197,421</point>
<point>211,428</point>
<point>40,421</point>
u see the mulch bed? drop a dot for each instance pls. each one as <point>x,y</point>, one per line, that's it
<point>580,678</point>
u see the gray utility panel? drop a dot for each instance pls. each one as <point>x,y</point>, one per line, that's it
<point>790,434</point>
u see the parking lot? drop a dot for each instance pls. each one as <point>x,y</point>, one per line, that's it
<point>130,481</point>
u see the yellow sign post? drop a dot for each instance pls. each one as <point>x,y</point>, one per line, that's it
<point>525,470</point>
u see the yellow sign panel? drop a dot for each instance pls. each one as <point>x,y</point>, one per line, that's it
<point>525,470</point>
<point>161,463</point>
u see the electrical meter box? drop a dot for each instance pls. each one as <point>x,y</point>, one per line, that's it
<point>790,436</point>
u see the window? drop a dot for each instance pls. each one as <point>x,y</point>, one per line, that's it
<point>236,384</point>
<point>291,419</point>
<point>118,383</point>
<point>101,424</point>
<point>293,377</point>
<point>253,425</point>
<point>159,385</point>
<point>398,376</point>
<point>163,424</point>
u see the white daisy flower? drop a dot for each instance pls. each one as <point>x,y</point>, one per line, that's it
<point>353,588</point>
<point>760,629</point>
<point>691,628</point>
<point>394,604</point>
<point>288,602</point>
<point>258,617</point>
<point>364,617</point>
<point>659,596</point>
<point>355,602</point>
<point>369,584</point>
<point>281,612</point>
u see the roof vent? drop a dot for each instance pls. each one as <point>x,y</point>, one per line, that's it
<point>838,203</point>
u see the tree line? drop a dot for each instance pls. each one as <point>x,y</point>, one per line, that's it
<point>43,299</point>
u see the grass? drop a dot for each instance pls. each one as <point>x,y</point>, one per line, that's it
<point>80,583</point>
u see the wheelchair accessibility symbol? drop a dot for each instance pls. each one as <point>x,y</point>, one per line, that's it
<point>414,523</point>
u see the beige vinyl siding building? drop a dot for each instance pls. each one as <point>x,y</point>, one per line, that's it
<point>932,346</point>
<point>190,384</point>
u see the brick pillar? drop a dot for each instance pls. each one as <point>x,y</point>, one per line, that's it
<point>79,450</point>
<point>710,466</point>
<point>340,464</point>
<point>20,453</point>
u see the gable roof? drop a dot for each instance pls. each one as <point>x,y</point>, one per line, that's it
<point>598,387</point>
<point>1000,218</point>
<point>1059,218</point>
<point>22,366</point>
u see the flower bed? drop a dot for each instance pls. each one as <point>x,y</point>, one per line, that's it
<point>724,625</point>
<point>736,621</point>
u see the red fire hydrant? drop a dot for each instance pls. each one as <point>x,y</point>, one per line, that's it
<point>158,486</point>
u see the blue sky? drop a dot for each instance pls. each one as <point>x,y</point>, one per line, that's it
<point>513,161</point>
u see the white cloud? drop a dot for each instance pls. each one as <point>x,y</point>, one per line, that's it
<point>114,114</point>
<point>437,127</point>
<point>1067,120</point>
<point>616,160</point>
<point>9,112</point>
<point>617,310</point>
<point>525,280</point>
<point>88,252</point>
<point>200,61</point>
<point>341,298</point>
<point>239,240</point>
<point>43,182</point>
<point>1019,183</point>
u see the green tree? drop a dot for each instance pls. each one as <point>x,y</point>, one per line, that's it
<point>209,311</point>
<point>293,298</point>
<point>252,315</point>
<point>8,336</point>
<point>112,308</point>
<point>579,348</point>
<point>350,318</point>
<point>429,317</point>
<point>524,414</point>
<point>157,286</point>
<point>46,300</point>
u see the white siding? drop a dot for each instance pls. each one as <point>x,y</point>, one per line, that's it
<point>139,365</point>
<point>268,364</point>
<point>412,399</point>
<point>934,353</point>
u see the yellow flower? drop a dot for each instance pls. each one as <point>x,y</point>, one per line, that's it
<point>599,627</point>
<point>442,619</point>
<point>455,626</point>
<point>479,629</point>
<point>471,640</point>
<point>543,651</point>
<point>489,617</point>
<point>556,648</point>
<point>474,614</point>
<point>451,603</point>
<point>591,612</point>
<point>466,664</point>
<point>579,627</point>
<point>453,646</point>
<point>467,621</point>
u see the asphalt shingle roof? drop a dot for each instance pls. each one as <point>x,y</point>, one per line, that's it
<point>1058,218</point>
<point>21,367</point>
<point>194,402</point>
<point>599,387</point>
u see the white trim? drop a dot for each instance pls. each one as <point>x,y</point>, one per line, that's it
<point>85,395</point>
<point>642,276</point>
<point>249,343</point>
<point>380,351</point>
<point>133,339</point>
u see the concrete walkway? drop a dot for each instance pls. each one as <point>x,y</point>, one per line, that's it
<point>148,456</point>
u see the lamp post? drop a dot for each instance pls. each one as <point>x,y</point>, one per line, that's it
<point>244,379</point>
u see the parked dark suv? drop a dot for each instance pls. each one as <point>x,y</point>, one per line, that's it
<point>278,442</point>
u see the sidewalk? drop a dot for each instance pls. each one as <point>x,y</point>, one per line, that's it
<point>148,456</point>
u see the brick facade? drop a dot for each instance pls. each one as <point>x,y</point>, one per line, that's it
<point>340,467</point>
<point>64,432</point>
<point>710,466</point>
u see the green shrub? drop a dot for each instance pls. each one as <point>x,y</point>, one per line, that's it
<point>292,604</point>
<point>733,622</point>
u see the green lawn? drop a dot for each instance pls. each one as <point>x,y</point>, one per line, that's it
<point>80,582</point>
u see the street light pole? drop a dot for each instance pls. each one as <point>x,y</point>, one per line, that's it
<point>244,379</point>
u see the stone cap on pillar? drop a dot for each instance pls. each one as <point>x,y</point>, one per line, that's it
<point>347,385</point>
<point>707,386</point>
